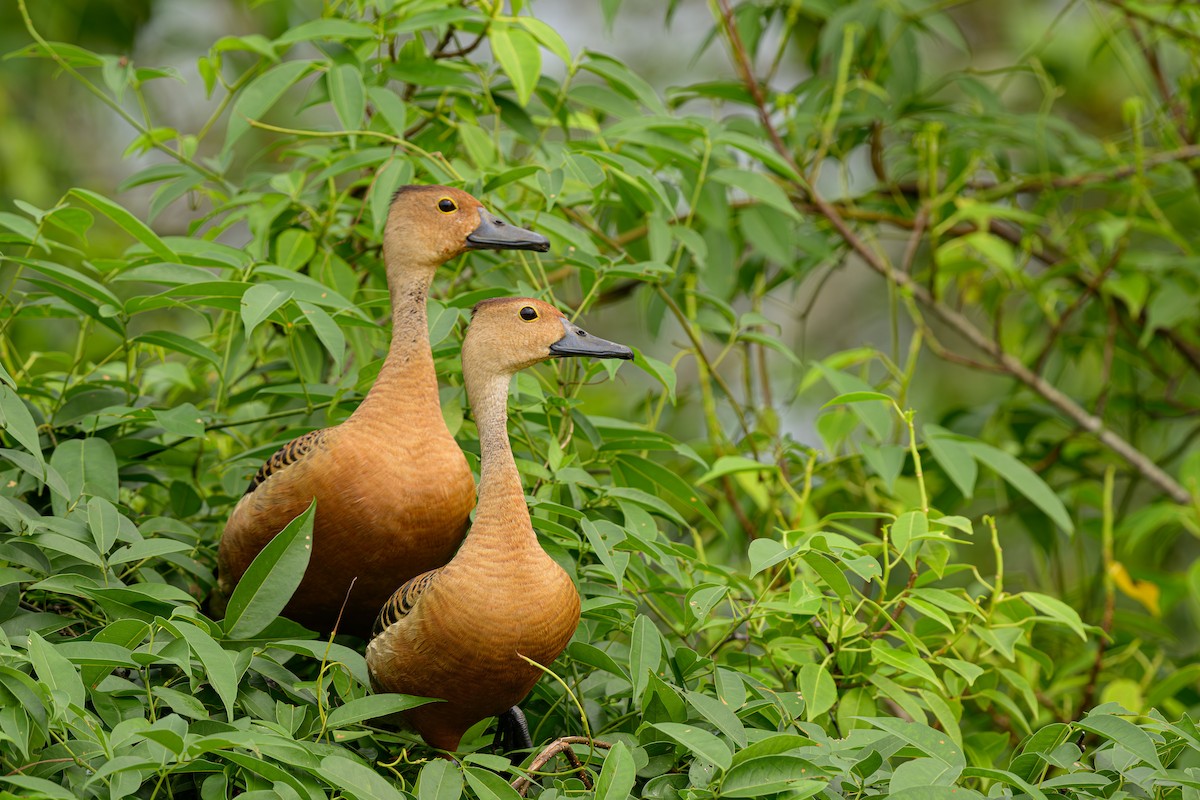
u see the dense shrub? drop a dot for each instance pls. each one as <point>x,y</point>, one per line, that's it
<point>988,596</point>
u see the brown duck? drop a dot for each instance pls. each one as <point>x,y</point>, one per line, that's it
<point>392,487</point>
<point>455,633</point>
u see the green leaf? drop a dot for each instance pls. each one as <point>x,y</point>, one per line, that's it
<point>391,108</point>
<point>88,466</point>
<point>218,665</point>
<point>487,785</point>
<point>1024,480</point>
<point>258,97</point>
<point>357,781</point>
<point>331,29</point>
<point>180,344</point>
<point>439,780</point>
<point>328,332</point>
<point>757,187</point>
<point>677,489</point>
<point>955,459</point>
<point>348,95</point>
<point>1057,610</point>
<point>906,662</point>
<point>127,222</point>
<point>645,652</point>
<point>930,742</point>
<point>618,774</point>
<point>1124,734</point>
<point>104,522</point>
<point>772,774</point>
<point>765,553</point>
<point>699,742</point>
<point>727,465</point>
<point>519,57</point>
<point>720,715</point>
<point>18,423</point>
<point>56,671</point>
<point>293,248</point>
<point>818,690</point>
<point>272,578</point>
<point>829,573</point>
<point>858,397</point>
<point>372,706</point>
<point>259,302</point>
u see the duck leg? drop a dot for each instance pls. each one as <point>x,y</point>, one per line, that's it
<point>512,731</point>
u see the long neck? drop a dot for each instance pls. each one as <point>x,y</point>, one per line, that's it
<point>407,385</point>
<point>502,517</point>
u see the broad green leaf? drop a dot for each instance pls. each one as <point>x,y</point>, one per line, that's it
<point>18,423</point>
<point>720,715</point>
<point>906,662</point>
<point>487,785</point>
<point>756,186</point>
<point>771,774</point>
<point>180,344</point>
<point>818,690</point>
<point>645,652</point>
<point>618,774</point>
<point>219,669</point>
<point>439,780</point>
<point>88,466</point>
<point>104,521</point>
<point>259,302</point>
<point>727,465</point>
<point>699,742</point>
<point>127,222</point>
<point>331,29</point>
<point>372,706</point>
<point>348,95</point>
<point>519,57</point>
<point>1024,480</point>
<point>389,106</point>
<point>356,780</point>
<point>271,579</point>
<point>1057,610</point>
<point>328,332</point>
<point>293,248</point>
<point>1124,734</point>
<point>930,742</point>
<point>56,671</point>
<point>258,97</point>
<point>955,459</point>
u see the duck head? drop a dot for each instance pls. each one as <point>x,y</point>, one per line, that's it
<point>429,225</point>
<point>508,334</point>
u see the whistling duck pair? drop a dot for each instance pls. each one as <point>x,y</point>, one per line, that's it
<point>394,492</point>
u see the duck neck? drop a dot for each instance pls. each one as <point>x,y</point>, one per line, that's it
<point>407,385</point>
<point>502,517</point>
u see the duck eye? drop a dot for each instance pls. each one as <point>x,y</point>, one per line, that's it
<point>447,206</point>
<point>529,313</point>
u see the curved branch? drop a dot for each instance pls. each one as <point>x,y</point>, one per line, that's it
<point>952,318</point>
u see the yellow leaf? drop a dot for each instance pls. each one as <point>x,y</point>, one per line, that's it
<point>1144,592</point>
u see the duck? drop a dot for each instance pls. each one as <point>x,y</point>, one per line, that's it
<point>393,490</point>
<point>458,633</point>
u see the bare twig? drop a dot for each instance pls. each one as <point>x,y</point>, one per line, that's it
<point>563,746</point>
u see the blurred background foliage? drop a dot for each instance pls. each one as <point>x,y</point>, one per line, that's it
<point>970,223</point>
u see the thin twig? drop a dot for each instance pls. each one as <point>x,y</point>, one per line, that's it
<point>561,745</point>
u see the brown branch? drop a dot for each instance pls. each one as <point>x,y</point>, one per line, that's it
<point>563,746</point>
<point>952,318</point>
